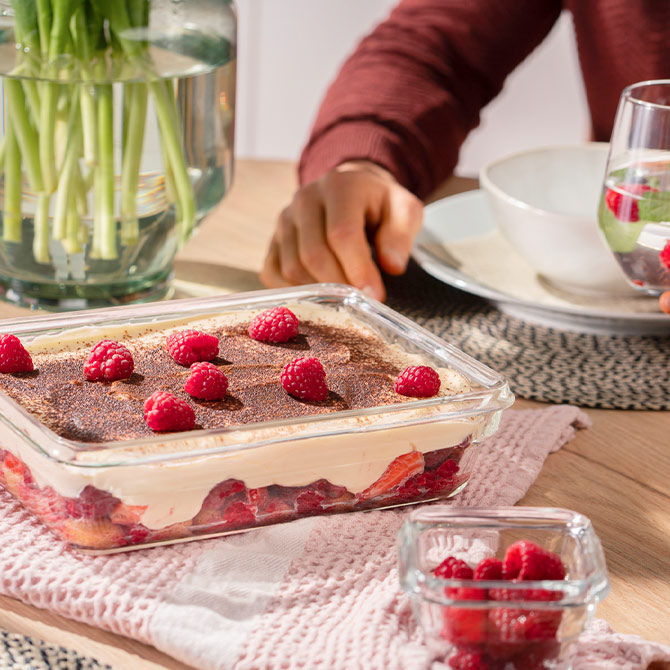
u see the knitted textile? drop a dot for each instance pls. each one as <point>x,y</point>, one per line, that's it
<point>319,593</point>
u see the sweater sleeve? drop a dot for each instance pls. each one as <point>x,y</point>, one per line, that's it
<point>414,88</point>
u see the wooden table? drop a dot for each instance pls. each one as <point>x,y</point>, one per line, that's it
<point>617,472</point>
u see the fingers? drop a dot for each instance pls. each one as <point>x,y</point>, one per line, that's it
<point>271,274</point>
<point>401,221</point>
<point>346,211</point>
<point>313,250</point>
<point>290,263</point>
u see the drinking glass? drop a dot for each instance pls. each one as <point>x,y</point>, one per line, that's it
<point>634,210</point>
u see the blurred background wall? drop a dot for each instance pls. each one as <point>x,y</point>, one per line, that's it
<point>289,50</point>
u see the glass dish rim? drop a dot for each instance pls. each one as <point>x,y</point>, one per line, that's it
<point>577,592</point>
<point>494,396</point>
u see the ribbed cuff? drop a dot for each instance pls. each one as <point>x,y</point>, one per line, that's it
<point>359,140</point>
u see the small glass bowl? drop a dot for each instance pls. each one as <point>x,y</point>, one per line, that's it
<point>520,632</point>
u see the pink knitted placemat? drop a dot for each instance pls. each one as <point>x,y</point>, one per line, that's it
<point>319,593</point>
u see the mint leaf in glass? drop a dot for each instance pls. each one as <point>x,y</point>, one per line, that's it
<point>654,206</point>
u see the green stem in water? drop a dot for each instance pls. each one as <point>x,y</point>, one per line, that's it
<point>132,157</point>
<point>25,133</point>
<point>41,229</point>
<point>104,192</point>
<point>11,228</point>
<point>44,22</point>
<point>72,241</point>
<point>172,146</point>
<point>84,51</point>
<point>47,126</point>
<point>59,38</point>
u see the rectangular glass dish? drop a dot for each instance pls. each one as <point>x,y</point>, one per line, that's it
<point>79,456</point>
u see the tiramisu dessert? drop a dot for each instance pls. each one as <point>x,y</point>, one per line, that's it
<point>172,430</point>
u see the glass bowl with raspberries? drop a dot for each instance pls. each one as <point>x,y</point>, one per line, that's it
<point>508,588</point>
<point>134,426</point>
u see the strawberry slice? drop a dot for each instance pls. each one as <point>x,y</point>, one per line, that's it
<point>397,473</point>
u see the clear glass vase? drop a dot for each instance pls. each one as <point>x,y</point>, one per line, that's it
<point>117,139</point>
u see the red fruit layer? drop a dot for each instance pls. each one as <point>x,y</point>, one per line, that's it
<point>97,520</point>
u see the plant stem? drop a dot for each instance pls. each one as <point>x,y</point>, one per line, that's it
<point>11,229</point>
<point>66,194</point>
<point>41,229</point>
<point>164,103</point>
<point>24,132</point>
<point>105,186</point>
<point>132,157</point>
<point>84,51</point>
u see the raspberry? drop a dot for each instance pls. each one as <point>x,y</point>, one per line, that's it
<point>219,494</point>
<point>309,502</point>
<point>664,255</point>
<point>463,659</point>
<point>417,381</point>
<point>191,346</point>
<point>305,378</point>
<point>206,382</point>
<point>623,207</point>
<point>13,355</point>
<point>109,361</point>
<point>489,569</point>
<point>239,514</point>
<point>92,503</point>
<point>258,497</point>
<point>278,324</point>
<point>164,411</point>
<point>514,626</point>
<point>453,568</point>
<point>526,561</point>
<point>448,469</point>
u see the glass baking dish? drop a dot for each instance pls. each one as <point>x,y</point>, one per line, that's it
<point>121,494</point>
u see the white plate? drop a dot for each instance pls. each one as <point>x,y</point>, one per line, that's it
<point>460,245</point>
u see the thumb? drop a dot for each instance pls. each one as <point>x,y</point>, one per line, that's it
<point>400,223</point>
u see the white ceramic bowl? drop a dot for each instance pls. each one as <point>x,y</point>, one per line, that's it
<point>545,201</point>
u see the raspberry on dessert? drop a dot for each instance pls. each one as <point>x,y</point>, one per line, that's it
<point>206,382</point>
<point>305,378</point>
<point>622,205</point>
<point>192,346</point>
<point>164,411</point>
<point>525,560</point>
<point>396,474</point>
<point>278,324</point>
<point>489,569</point>
<point>109,361</point>
<point>13,355</point>
<point>417,381</point>
<point>664,255</point>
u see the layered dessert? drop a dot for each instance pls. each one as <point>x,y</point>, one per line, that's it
<point>253,452</point>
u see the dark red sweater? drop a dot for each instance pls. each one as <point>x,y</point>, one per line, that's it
<point>414,88</point>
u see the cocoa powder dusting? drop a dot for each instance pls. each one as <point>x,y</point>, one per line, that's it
<point>60,396</point>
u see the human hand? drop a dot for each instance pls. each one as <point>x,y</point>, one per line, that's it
<point>327,231</point>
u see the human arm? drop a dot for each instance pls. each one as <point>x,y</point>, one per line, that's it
<point>405,101</point>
